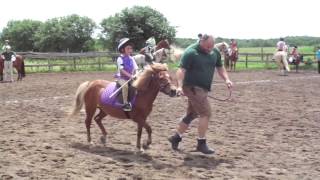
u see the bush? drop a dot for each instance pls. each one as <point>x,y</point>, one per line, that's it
<point>308,62</point>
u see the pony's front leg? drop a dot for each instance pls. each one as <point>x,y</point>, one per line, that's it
<point>19,77</point>
<point>139,132</point>
<point>149,131</point>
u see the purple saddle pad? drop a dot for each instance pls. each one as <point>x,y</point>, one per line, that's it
<point>113,101</point>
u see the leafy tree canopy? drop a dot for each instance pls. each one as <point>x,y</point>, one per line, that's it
<point>137,23</point>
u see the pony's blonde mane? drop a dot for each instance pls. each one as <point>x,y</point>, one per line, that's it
<point>144,78</point>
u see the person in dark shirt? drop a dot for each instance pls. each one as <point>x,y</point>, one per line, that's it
<point>194,77</point>
<point>8,57</point>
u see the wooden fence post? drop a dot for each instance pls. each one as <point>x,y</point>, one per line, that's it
<point>99,62</point>
<point>74,63</point>
<point>49,64</point>
<point>246,60</point>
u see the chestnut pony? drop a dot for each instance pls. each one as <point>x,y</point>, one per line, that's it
<point>18,64</point>
<point>153,79</point>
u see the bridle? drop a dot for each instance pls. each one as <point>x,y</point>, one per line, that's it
<point>162,86</point>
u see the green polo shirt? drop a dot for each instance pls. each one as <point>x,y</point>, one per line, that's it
<point>199,66</point>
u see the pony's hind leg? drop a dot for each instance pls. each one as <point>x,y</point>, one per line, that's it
<point>98,119</point>
<point>90,111</point>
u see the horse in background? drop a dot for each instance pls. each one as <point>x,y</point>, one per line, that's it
<point>280,58</point>
<point>158,54</point>
<point>154,79</point>
<point>177,52</point>
<point>231,57</point>
<point>18,64</point>
<point>161,44</point>
<point>224,48</point>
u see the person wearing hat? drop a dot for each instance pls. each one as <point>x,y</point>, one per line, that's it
<point>149,49</point>
<point>280,57</point>
<point>127,68</point>
<point>6,44</point>
<point>295,55</point>
<point>8,57</point>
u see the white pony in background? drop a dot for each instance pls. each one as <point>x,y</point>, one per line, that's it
<point>223,47</point>
<point>281,59</point>
<point>176,52</point>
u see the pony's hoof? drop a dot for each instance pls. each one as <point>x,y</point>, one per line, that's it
<point>90,145</point>
<point>140,151</point>
<point>103,140</point>
<point>146,145</point>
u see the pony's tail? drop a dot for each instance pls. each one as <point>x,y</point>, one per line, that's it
<point>79,98</point>
<point>23,71</point>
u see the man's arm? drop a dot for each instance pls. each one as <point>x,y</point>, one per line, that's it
<point>224,75</point>
<point>180,76</point>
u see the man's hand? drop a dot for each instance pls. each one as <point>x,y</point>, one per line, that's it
<point>229,83</point>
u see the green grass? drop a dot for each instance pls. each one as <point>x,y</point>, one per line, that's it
<point>302,49</point>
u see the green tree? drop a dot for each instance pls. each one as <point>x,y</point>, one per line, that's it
<point>138,23</point>
<point>71,33</point>
<point>21,34</point>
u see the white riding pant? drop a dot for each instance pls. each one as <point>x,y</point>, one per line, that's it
<point>8,71</point>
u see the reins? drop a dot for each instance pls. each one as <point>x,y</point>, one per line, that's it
<point>225,99</point>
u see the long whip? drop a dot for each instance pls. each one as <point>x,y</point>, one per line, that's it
<point>116,91</point>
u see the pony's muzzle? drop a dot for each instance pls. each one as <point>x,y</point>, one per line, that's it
<point>173,92</point>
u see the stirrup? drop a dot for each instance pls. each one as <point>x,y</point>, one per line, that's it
<point>127,107</point>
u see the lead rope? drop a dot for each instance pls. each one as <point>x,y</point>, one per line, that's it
<point>226,99</point>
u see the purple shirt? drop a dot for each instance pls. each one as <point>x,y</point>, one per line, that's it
<point>126,63</point>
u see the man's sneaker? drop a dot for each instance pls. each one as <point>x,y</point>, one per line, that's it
<point>175,139</point>
<point>202,147</point>
<point>127,107</point>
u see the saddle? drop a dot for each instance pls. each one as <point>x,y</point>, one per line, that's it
<point>131,93</point>
<point>116,100</point>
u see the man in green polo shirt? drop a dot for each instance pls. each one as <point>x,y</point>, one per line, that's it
<point>195,76</point>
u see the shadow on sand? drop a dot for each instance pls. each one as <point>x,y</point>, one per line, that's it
<point>190,159</point>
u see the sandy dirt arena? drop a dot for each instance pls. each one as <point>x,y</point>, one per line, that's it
<point>270,129</point>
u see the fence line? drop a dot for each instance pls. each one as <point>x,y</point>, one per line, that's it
<point>100,59</point>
